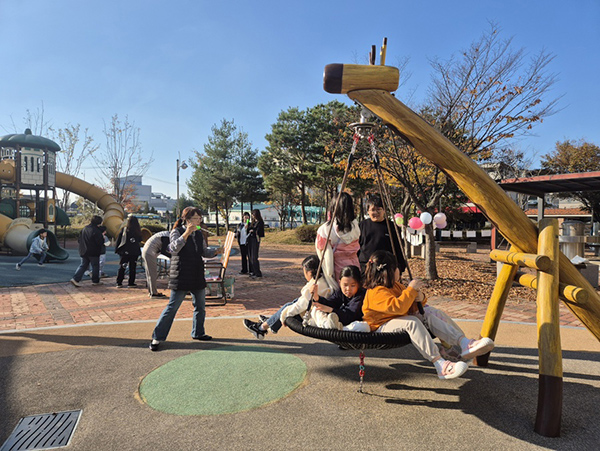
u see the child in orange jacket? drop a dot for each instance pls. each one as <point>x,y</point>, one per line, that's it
<point>389,306</point>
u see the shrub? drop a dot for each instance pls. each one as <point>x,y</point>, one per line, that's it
<point>154,227</point>
<point>307,233</point>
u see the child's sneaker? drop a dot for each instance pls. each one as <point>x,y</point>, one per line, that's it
<point>18,267</point>
<point>263,318</point>
<point>451,353</point>
<point>450,370</point>
<point>477,347</point>
<point>333,322</point>
<point>255,329</point>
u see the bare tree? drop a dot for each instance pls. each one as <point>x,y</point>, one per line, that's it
<point>33,120</point>
<point>75,150</point>
<point>490,93</point>
<point>122,158</point>
<point>480,101</point>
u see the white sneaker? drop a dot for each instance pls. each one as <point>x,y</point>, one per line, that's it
<point>451,370</point>
<point>74,282</point>
<point>477,347</point>
<point>18,267</point>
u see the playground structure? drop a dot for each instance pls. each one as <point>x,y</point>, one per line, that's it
<point>28,164</point>
<point>371,86</point>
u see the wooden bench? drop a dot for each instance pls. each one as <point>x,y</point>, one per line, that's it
<point>221,266</point>
<point>471,246</point>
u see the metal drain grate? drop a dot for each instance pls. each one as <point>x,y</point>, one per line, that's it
<point>51,430</point>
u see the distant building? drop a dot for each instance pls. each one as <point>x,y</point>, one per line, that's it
<point>269,214</point>
<point>142,194</point>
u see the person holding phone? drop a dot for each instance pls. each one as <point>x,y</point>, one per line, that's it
<point>186,275</point>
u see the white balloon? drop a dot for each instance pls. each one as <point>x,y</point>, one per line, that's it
<point>439,217</point>
<point>425,218</point>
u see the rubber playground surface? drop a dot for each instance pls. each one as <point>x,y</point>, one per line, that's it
<point>66,348</point>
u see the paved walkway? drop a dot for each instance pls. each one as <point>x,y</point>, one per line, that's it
<point>56,304</point>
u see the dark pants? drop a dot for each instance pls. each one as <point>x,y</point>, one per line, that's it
<point>127,260</point>
<point>253,247</point>
<point>85,262</point>
<point>244,252</point>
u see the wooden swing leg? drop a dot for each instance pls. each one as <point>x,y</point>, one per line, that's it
<point>550,394</point>
<point>496,307</point>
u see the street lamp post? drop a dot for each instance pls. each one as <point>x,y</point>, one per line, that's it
<point>183,165</point>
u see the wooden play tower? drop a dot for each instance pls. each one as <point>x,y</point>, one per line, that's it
<point>557,278</point>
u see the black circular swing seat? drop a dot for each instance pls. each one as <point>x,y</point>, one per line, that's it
<point>348,339</point>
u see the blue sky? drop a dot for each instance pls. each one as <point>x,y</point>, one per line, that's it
<point>178,67</point>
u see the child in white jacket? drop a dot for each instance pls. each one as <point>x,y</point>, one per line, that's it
<point>298,306</point>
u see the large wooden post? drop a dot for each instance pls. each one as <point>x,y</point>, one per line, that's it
<point>550,393</point>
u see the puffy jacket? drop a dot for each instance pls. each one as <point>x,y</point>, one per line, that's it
<point>187,266</point>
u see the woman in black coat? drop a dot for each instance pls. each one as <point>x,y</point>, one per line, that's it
<point>186,275</point>
<point>128,248</point>
<point>256,231</point>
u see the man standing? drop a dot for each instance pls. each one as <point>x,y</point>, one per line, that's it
<point>91,243</point>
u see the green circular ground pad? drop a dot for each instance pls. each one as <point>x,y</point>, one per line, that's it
<point>224,380</point>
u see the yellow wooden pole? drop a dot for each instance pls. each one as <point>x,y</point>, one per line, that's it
<point>520,259</point>
<point>484,192</point>
<point>566,292</point>
<point>489,328</point>
<point>550,392</point>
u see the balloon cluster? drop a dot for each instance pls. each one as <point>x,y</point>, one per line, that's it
<point>419,223</point>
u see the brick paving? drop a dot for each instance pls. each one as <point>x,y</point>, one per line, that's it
<point>35,306</point>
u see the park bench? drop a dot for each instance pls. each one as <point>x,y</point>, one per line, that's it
<point>471,246</point>
<point>223,283</point>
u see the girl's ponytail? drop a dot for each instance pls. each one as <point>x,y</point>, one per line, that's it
<point>381,270</point>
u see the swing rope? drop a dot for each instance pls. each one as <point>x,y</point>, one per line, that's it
<point>337,200</point>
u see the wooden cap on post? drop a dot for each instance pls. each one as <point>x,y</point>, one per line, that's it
<point>343,78</point>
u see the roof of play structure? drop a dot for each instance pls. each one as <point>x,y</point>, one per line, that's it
<point>26,139</point>
<point>557,183</point>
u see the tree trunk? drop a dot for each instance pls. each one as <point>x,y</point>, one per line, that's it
<point>226,220</point>
<point>303,203</point>
<point>430,266</point>
<point>217,218</point>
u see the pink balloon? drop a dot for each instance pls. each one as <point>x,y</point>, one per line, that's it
<point>416,223</point>
<point>441,225</point>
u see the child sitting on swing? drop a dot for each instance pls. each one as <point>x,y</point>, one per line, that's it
<point>345,304</point>
<point>298,306</point>
<point>389,306</point>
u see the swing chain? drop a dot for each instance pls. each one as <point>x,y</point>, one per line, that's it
<point>361,370</point>
<point>387,200</point>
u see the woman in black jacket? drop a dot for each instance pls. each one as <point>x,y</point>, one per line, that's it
<point>256,231</point>
<point>128,248</point>
<point>186,274</point>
